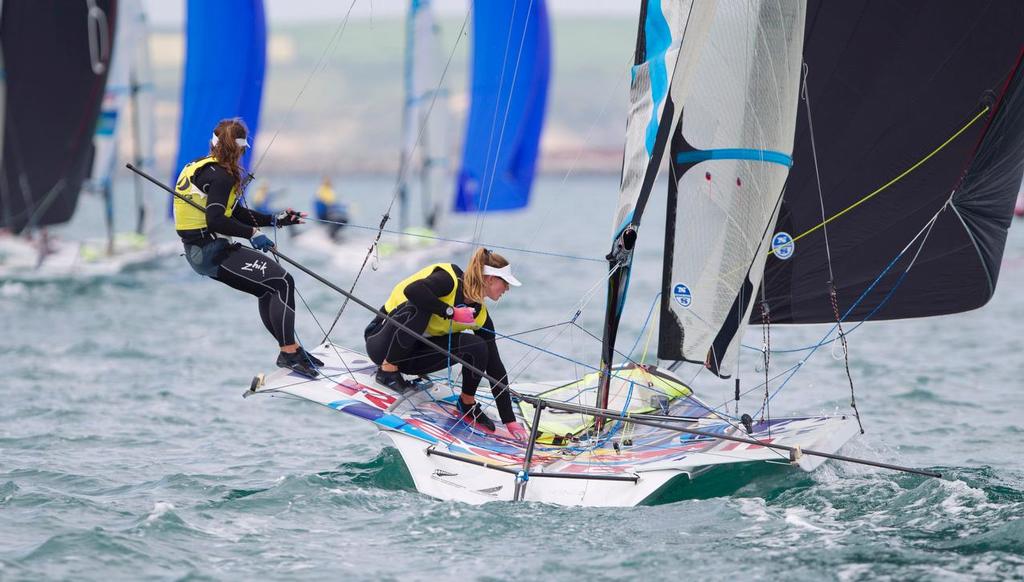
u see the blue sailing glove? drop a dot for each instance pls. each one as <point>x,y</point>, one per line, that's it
<point>261,242</point>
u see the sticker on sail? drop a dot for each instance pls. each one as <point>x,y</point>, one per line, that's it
<point>783,245</point>
<point>681,293</point>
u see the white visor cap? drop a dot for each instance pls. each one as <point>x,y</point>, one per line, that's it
<point>241,142</point>
<point>504,272</point>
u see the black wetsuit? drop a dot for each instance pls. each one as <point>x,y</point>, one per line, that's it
<point>235,265</point>
<point>387,341</point>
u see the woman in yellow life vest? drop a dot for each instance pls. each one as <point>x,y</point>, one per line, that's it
<point>214,182</point>
<point>329,210</point>
<point>442,302</point>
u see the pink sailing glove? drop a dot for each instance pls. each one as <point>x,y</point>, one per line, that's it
<point>463,315</point>
<point>517,431</point>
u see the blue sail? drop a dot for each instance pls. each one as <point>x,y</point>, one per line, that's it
<point>511,62</point>
<point>224,64</point>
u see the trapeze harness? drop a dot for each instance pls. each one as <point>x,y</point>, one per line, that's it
<point>211,254</point>
<point>420,303</point>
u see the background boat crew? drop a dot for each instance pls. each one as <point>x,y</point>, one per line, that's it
<point>444,303</point>
<point>215,183</point>
<point>329,209</point>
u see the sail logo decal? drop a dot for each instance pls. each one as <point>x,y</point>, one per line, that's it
<point>783,245</point>
<point>682,295</point>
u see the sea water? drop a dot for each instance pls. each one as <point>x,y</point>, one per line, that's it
<point>127,452</point>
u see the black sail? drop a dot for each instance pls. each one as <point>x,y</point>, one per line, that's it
<point>56,54</point>
<point>889,83</point>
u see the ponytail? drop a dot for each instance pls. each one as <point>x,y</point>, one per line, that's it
<point>474,287</point>
<point>227,152</point>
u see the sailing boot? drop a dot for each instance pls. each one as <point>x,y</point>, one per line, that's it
<point>312,359</point>
<point>474,415</point>
<point>296,362</point>
<point>394,380</point>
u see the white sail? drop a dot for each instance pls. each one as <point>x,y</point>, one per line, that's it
<point>425,121</point>
<point>115,97</point>
<point>730,160</point>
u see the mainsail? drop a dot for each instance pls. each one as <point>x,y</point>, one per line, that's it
<point>424,160</point>
<point>670,39</point>
<point>56,56</point>
<point>917,112</point>
<point>511,63</point>
<point>221,80</point>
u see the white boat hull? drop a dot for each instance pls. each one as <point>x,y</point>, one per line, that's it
<point>450,460</point>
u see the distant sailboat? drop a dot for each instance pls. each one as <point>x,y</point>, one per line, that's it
<point>507,92</point>
<point>424,167</point>
<point>53,96</point>
<point>129,83</point>
<point>424,172</point>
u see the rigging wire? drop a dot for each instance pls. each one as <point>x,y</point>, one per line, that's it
<point>403,169</point>
<point>925,232</point>
<point>481,213</point>
<point>461,241</point>
<point>339,31</point>
<point>898,178</point>
<point>833,294</point>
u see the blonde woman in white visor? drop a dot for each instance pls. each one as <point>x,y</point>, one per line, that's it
<point>444,303</point>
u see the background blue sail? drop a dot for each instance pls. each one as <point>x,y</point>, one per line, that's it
<point>509,92</point>
<point>224,64</point>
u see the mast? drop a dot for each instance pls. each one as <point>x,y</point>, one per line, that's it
<point>140,203</point>
<point>423,117</point>
<point>138,82</point>
<point>410,118</point>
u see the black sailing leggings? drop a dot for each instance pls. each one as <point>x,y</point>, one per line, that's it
<point>255,273</point>
<point>387,341</point>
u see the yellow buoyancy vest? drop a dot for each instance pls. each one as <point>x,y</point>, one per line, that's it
<point>186,216</point>
<point>326,195</point>
<point>437,326</point>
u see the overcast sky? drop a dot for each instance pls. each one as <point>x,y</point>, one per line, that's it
<point>171,12</point>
